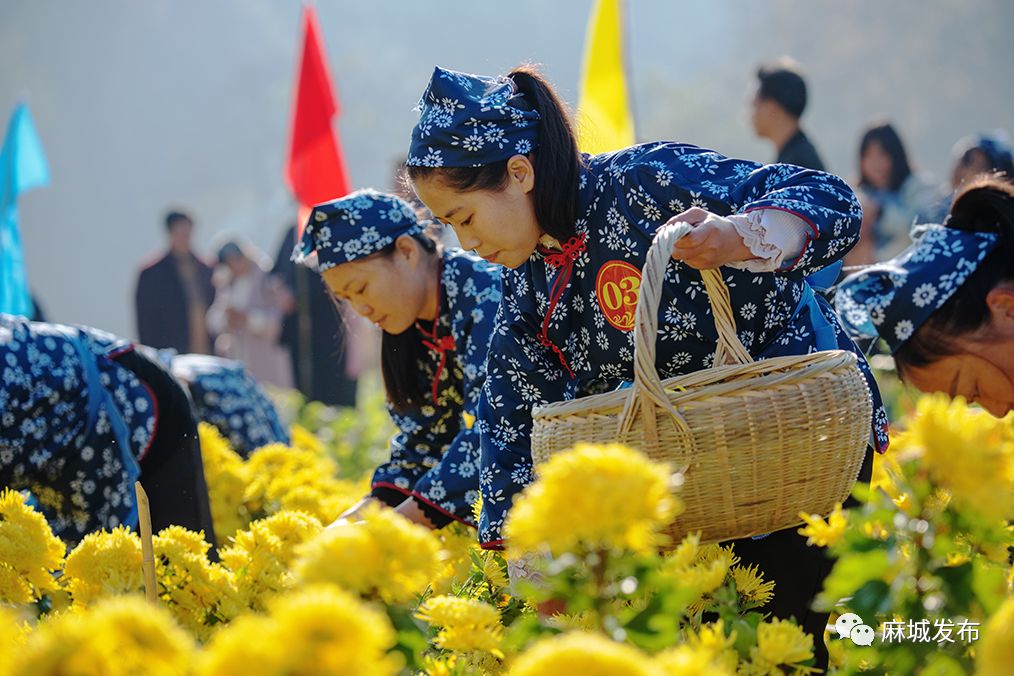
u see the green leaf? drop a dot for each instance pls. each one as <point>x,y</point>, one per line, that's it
<point>851,572</point>
<point>989,584</point>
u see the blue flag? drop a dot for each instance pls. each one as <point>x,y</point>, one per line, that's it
<point>23,166</point>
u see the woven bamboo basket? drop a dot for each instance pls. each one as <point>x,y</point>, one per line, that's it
<point>756,442</point>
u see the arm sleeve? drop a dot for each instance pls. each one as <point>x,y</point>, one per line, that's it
<point>772,236</point>
<point>675,177</point>
<point>520,374</point>
<point>422,436</point>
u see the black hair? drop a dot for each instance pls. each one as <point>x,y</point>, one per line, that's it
<point>783,83</point>
<point>997,156</point>
<point>174,217</point>
<point>887,136</point>
<point>230,248</point>
<point>985,204</point>
<point>557,160</point>
<point>400,353</point>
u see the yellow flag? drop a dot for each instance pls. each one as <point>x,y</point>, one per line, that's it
<point>603,112</point>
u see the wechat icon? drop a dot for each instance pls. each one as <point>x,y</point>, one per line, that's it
<point>851,626</point>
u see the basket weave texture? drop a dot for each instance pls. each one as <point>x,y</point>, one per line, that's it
<point>756,442</point>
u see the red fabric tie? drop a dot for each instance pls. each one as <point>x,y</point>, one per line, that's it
<point>564,260</point>
<point>442,345</point>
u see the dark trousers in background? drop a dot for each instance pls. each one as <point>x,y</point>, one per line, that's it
<point>172,472</point>
<point>798,572</point>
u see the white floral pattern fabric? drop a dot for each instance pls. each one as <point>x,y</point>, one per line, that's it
<point>73,423</point>
<point>435,455</point>
<point>894,298</point>
<point>471,120</point>
<point>353,227</point>
<point>225,395</point>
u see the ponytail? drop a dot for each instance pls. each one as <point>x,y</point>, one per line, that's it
<point>985,204</point>
<point>557,160</point>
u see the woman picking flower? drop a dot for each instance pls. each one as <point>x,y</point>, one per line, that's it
<point>436,309</point>
<point>496,158</point>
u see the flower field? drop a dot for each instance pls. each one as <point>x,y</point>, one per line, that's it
<point>923,559</point>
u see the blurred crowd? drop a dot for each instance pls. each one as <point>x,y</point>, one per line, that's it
<point>278,319</point>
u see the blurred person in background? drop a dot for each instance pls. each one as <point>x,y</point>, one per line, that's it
<point>974,156</point>
<point>778,102</point>
<point>892,195</point>
<point>313,332</point>
<point>174,293</point>
<point>245,318</point>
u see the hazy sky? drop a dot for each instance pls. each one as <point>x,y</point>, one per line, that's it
<point>146,105</point>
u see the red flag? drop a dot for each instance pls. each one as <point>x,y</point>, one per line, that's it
<point>315,170</point>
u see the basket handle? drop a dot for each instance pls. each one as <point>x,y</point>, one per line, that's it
<point>647,385</point>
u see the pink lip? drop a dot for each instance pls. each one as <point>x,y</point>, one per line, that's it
<point>380,322</point>
<point>492,257</point>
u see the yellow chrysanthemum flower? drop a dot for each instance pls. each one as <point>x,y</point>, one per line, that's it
<point>780,643</point>
<point>29,552</point>
<point>227,477</point>
<point>246,646</point>
<point>14,588</point>
<point>13,635</point>
<point>583,653</point>
<point>385,556</point>
<point>260,557</point>
<point>887,474</point>
<point>686,660</point>
<point>116,636</point>
<point>104,564</point>
<point>593,496</point>
<point>968,452</point>
<point>711,638</point>
<point>284,478</point>
<point>995,652</point>
<point>306,440</point>
<point>824,533</point>
<point>586,620</point>
<point>493,570</point>
<point>456,544</point>
<point>751,587</point>
<point>465,624</point>
<point>319,630</point>
<point>700,568</point>
<point>200,594</point>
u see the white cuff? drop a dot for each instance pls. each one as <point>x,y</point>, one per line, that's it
<point>772,235</point>
<point>525,569</point>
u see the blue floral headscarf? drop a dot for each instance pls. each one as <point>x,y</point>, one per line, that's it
<point>894,298</point>
<point>469,121</point>
<point>353,227</point>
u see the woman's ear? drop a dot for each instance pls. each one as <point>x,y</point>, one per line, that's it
<point>407,248</point>
<point>1000,301</point>
<point>521,172</point>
